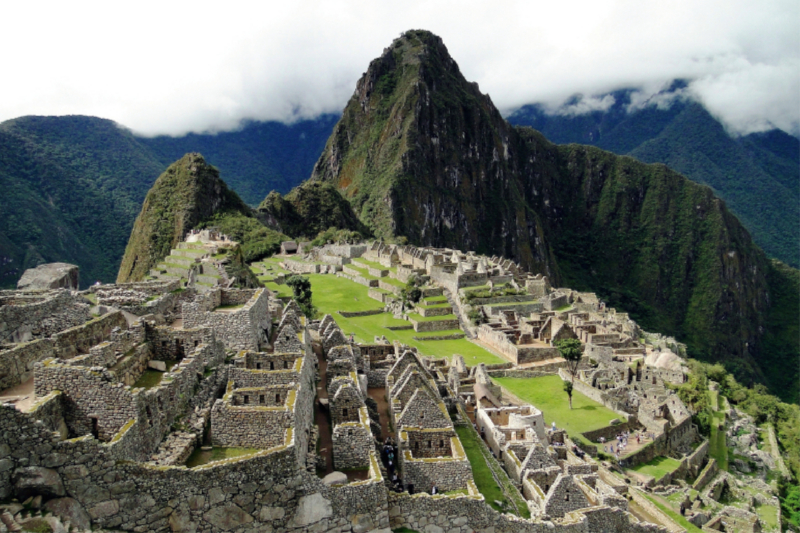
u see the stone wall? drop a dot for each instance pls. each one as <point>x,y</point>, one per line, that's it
<point>80,339</point>
<point>240,329</point>
<point>25,316</point>
<point>16,363</point>
<point>352,444</point>
<point>265,491</point>
<point>434,325</point>
<point>446,474</point>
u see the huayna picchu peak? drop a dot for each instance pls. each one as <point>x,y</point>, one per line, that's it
<point>421,153</point>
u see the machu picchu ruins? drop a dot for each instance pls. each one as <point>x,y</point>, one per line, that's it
<point>187,402</point>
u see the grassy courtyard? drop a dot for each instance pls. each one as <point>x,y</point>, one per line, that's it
<point>332,293</point>
<point>482,473</point>
<point>657,467</point>
<point>547,393</point>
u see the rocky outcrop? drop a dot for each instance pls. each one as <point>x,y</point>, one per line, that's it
<point>50,276</point>
<point>310,208</point>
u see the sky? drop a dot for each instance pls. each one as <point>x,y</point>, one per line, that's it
<point>177,67</point>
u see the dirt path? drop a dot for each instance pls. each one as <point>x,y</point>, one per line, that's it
<point>321,415</point>
<point>379,395</point>
<point>21,396</point>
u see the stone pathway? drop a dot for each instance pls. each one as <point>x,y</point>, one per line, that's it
<point>21,396</point>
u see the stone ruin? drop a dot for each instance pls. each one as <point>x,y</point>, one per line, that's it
<point>230,368</point>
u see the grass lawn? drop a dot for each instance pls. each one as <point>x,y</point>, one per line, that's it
<point>331,294</point>
<point>769,515</point>
<point>395,282</point>
<point>420,318</point>
<point>480,470</point>
<point>547,393</point>
<point>280,290</point>
<point>676,517</point>
<point>372,264</point>
<point>657,467</point>
<point>717,445</point>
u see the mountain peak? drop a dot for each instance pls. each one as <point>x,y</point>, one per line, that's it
<point>187,193</point>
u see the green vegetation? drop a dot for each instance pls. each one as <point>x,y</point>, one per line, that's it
<point>301,292</point>
<point>189,192</point>
<point>547,395</point>
<point>484,470</point>
<point>676,517</point>
<point>149,379</point>
<point>657,467</point>
<point>756,174</point>
<point>257,241</point>
<point>312,208</point>
<point>200,457</point>
<point>332,294</point>
<point>255,159</point>
<point>72,187</point>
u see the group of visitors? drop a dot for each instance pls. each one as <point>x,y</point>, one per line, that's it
<point>622,442</point>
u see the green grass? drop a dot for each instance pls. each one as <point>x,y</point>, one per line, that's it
<point>434,300</point>
<point>717,445</point>
<point>547,393</point>
<point>657,467</point>
<point>481,472</point>
<point>395,282</point>
<point>149,379</point>
<point>420,318</point>
<point>332,294</point>
<point>676,517</point>
<point>372,264</point>
<point>434,305</point>
<point>280,290</point>
<point>201,457</point>
<point>769,515</point>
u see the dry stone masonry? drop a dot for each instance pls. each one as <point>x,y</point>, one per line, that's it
<point>128,410</point>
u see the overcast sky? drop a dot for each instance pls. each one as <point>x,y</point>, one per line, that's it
<point>168,67</point>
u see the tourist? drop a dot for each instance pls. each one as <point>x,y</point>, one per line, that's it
<point>434,490</point>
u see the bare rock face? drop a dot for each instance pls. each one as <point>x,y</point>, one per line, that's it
<point>36,480</point>
<point>50,276</point>
<point>70,510</point>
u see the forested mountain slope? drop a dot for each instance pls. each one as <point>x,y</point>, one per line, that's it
<point>421,153</point>
<point>758,175</point>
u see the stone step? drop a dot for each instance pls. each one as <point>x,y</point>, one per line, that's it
<point>180,260</point>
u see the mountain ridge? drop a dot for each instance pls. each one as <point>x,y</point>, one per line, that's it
<point>421,153</point>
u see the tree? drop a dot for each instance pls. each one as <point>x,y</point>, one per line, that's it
<point>568,390</point>
<point>301,288</point>
<point>571,351</point>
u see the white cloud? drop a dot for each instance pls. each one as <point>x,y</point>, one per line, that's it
<point>585,104</point>
<point>172,67</point>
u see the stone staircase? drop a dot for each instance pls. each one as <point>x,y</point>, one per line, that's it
<point>183,259</point>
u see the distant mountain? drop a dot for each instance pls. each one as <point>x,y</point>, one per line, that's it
<point>71,189</point>
<point>72,186</point>
<point>258,158</point>
<point>420,153</point>
<point>758,175</point>
<point>187,193</point>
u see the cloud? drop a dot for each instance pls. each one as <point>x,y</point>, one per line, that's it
<point>585,104</point>
<point>172,67</point>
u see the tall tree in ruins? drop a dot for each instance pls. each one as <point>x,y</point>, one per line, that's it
<point>572,352</point>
